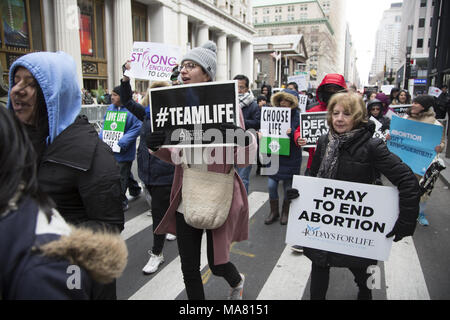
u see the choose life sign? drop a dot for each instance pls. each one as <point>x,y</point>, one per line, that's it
<point>275,123</point>
<point>414,142</point>
<point>153,61</point>
<point>343,217</point>
<point>114,129</point>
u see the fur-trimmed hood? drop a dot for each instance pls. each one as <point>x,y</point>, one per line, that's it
<point>36,252</point>
<point>103,255</point>
<point>276,99</point>
<point>428,116</point>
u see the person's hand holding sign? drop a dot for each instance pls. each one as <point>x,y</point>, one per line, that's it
<point>301,142</point>
<point>401,229</point>
<point>155,140</point>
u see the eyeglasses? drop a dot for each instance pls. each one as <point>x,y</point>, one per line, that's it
<point>189,66</point>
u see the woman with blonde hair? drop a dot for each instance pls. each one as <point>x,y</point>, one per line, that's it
<point>349,153</point>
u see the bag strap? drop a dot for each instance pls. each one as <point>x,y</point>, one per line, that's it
<point>186,165</point>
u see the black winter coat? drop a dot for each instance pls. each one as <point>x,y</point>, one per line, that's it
<point>79,172</point>
<point>359,159</point>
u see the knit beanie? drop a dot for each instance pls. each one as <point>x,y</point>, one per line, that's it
<point>116,90</point>
<point>425,101</point>
<point>205,56</point>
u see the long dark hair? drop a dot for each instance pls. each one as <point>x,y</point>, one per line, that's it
<point>18,165</point>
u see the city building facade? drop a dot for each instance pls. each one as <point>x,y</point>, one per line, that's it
<point>415,45</point>
<point>314,20</point>
<point>99,34</point>
<point>386,59</point>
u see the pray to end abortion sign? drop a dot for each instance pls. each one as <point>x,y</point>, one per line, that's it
<point>191,115</point>
<point>343,217</point>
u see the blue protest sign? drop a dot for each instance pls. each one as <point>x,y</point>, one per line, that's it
<point>414,142</point>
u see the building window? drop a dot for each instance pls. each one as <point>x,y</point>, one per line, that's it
<point>21,26</point>
<point>92,28</point>
<point>423,3</point>
<point>422,23</point>
<point>139,16</point>
<point>419,43</point>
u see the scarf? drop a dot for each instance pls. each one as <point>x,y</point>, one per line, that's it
<point>330,162</point>
<point>246,99</point>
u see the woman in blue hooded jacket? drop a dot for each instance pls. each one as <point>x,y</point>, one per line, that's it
<point>75,168</point>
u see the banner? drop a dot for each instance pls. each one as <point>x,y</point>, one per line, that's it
<point>312,126</point>
<point>186,113</point>
<point>400,110</point>
<point>153,61</point>
<point>302,102</point>
<point>414,142</point>
<point>435,92</point>
<point>274,124</point>
<point>343,217</point>
<point>114,129</point>
<point>300,80</point>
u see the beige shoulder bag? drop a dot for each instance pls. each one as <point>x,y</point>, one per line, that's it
<point>207,197</point>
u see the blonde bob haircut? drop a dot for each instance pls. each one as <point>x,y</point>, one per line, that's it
<point>352,103</point>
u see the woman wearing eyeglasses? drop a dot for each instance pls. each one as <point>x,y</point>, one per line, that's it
<point>197,66</point>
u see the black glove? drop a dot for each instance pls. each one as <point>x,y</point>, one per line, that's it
<point>240,136</point>
<point>292,194</point>
<point>402,229</point>
<point>155,140</point>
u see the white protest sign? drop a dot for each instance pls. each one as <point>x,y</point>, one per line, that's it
<point>302,102</point>
<point>275,122</point>
<point>378,133</point>
<point>153,61</point>
<point>312,126</point>
<point>435,92</point>
<point>386,89</point>
<point>343,217</point>
<point>300,80</point>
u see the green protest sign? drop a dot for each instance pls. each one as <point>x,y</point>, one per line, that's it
<point>274,124</point>
<point>114,128</point>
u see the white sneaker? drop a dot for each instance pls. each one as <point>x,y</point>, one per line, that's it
<point>153,263</point>
<point>236,292</point>
<point>171,237</point>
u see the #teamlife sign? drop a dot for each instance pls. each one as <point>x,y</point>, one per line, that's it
<point>114,129</point>
<point>153,61</point>
<point>312,126</point>
<point>274,124</point>
<point>343,217</point>
<point>414,142</point>
<point>191,115</point>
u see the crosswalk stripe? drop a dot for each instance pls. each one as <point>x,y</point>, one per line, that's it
<point>136,225</point>
<point>404,275</point>
<point>288,279</point>
<point>168,283</point>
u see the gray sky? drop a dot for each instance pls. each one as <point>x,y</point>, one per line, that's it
<point>364,17</point>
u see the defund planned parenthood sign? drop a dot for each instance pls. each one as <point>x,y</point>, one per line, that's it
<point>312,126</point>
<point>343,217</point>
<point>191,115</point>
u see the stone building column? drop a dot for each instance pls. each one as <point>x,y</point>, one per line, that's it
<point>236,58</point>
<point>202,34</point>
<point>67,35</point>
<point>247,61</point>
<point>123,36</point>
<point>222,73</point>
